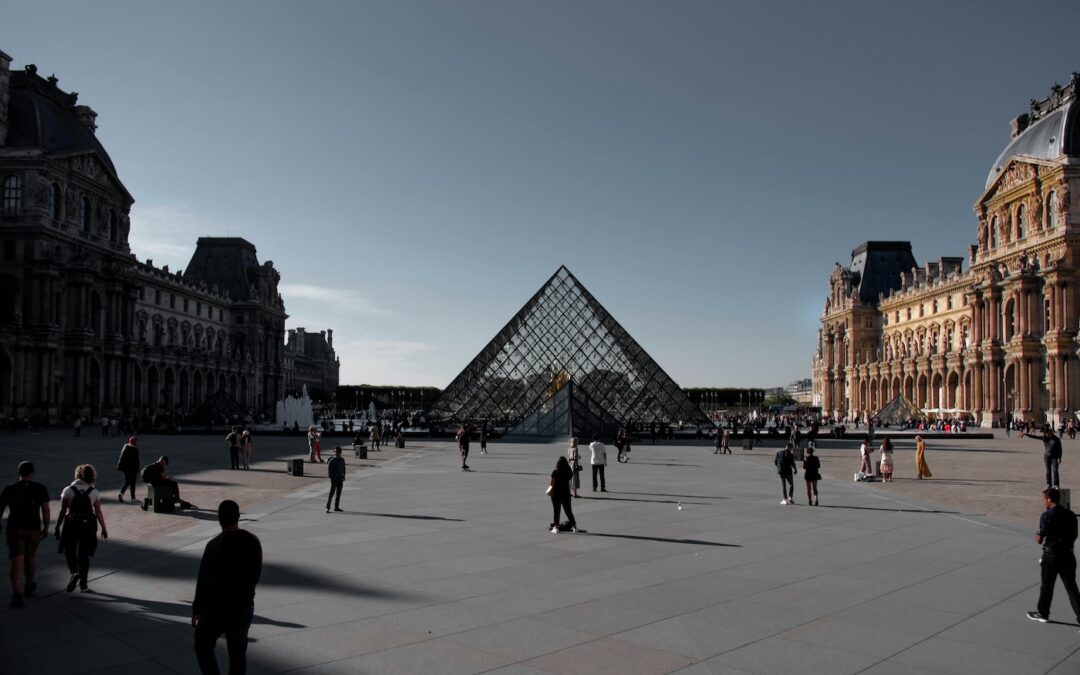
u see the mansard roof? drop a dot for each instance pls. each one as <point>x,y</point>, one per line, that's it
<point>878,265</point>
<point>224,261</point>
<point>40,115</point>
<point>1050,130</point>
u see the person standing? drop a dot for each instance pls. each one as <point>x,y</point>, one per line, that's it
<point>886,459</point>
<point>811,468</point>
<point>560,494</point>
<point>483,440</point>
<point>77,525</point>
<point>598,460</point>
<point>376,436</point>
<point>1051,455</point>
<point>233,441</point>
<point>224,601</point>
<point>335,468</point>
<point>247,448</point>
<point>463,445</point>
<point>78,426</point>
<point>27,526</point>
<point>1057,534</point>
<point>574,456</point>
<point>724,441</point>
<point>922,469</point>
<point>866,467</point>
<point>128,464</point>
<point>314,445</point>
<point>785,466</point>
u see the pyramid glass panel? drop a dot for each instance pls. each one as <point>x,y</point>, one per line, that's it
<point>563,335</point>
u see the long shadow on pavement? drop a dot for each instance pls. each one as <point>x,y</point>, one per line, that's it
<point>664,540</point>
<point>664,494</point>
<point>400,515</point>
<point>881,508</point>
<point>644,501</point>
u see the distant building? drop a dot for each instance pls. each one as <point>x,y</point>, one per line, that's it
<point>997,340</point>
<point>310,360</point>
<point>85,327</point>
<point>801,391</point>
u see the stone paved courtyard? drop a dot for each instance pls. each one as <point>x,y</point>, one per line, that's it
<point>431,570</point>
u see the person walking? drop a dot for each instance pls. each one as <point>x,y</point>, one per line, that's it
<point>483,440</point>
<point>922,469</point>
<point>129,464</point>
<point>725,441</point>
<point>247,448</point>
<point>811,468</point>
<point>1051,454</point>
<point>886,459</point>
<point>785,466</point>
<point>224,601</point>
<point>560,494</point>
<point>1057,534</point>
<point>598,460</point>
<point>335,469</point>
<point>574,455</point>
<point>77,525</point>
<point>376,436</point>
<point>27,526</point>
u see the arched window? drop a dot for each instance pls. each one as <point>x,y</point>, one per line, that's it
<point>1021,222</point>
<point>994,232</point>
<point>84,213</point>
<point>12,197</point>
<point>114,230</point>
<point>1051,210</point>
<point>54,201</point>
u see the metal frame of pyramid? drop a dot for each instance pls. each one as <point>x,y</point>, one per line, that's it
<point>564,335</point>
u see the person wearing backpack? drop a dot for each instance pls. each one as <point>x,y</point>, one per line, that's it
<point>27,525</point>
<point>77,525</point>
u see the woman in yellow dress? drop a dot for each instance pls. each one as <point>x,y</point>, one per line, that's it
<point>921,466</point>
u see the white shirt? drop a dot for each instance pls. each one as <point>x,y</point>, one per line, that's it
<point>598,453</point>
<point>68,494</point>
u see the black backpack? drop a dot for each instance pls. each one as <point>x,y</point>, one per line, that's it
<point>81,509</point>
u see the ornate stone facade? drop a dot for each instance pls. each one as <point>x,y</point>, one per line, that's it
<point>310,360</point>
<point>998,339</point>
<point>86,328</point>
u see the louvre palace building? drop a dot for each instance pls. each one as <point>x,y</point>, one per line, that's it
<point>86,329</point>
<point>995,340</point>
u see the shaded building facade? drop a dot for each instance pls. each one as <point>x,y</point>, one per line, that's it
<point>85,327</point>
<point>998,339</point>
<point>310,360</point>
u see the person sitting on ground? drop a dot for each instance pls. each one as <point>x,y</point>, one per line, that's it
<point>156,475</point>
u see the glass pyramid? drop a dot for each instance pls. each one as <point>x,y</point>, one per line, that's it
<point>563,365</point>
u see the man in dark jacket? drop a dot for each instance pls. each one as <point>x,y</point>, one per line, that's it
<point>27,525</point>
<point>128,464</point>
<point>225,594</point>
<point>335,468</point>
<point>1057,534</point>
<point>1051,455</point>
<point>785,466</point>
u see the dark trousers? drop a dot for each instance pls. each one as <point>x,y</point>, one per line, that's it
<point>1053,566</point>
<point>562,501</point>
<point>787,485</point>
<point>129,481</point>
<point>1051,470</point>
<point>78,547</point>
<point>236,638</point>
<point>598,470</point>
<point>335,491</point>
<point>234,456</point>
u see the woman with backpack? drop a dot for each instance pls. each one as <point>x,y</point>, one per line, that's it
<point>76,527</point>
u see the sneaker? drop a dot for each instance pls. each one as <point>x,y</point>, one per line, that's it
<point>555,530</point>
<point>31,586</point>
<point>603,489</point>
<point>16,600</point>
<point>338,509</point>
<point>1036,616</point>
<point>784,502</point>
<point>120,497</point>
<point>72,582</point>
<point>573,529</point>
<point>328,509</point>
<point>83,588</point>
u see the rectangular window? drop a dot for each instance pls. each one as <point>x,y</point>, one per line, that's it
<point>172,301</point>
<point>185,304</point>
<point>157,297</point>
<point>198,309</point>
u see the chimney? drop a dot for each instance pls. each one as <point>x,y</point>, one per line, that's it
<point>87,116</point>
<point>330,338</point>
<point>5,95</point>
<point>1018,125</point>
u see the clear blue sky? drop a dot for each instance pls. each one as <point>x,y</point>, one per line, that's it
<point>416,170</point>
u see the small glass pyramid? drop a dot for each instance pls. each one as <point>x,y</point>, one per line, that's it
<point>563,365</point>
